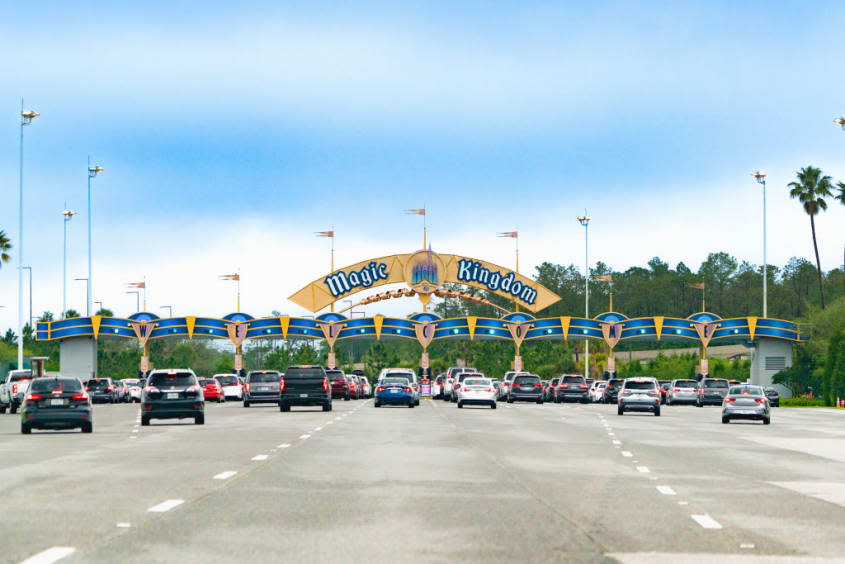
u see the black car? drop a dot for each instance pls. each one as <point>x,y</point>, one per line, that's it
<point>611,392</point>
<point>56,403</point>
<point>525,388</point>
<point>172,394</point>
<point>262,386</point>
<point>572,388</point>
<point>551,390</point>
<point>773,396</point>
<point>305,385</point>
<point>102,390</point>
<point>712,391</point>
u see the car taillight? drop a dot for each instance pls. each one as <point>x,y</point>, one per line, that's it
<point>729,400</point>
<point>282,385</point>
<point>380,389</point>
<point>109,388</point>
<point>489,389</point>
<point>325,384</point>
<point>583,386</point>
<point>537,386</point>
<point>626,392</point>
<point>652,393</point>
<point>676,389</point>
<point>153,389</point>
<point>14,388</point>
<point>700,391</point>
<point>564,386</point>
<point>80,396</point>
<point>33,397</point>
<point>406,389</point>
<point>194,388</point>
<point>247,386</point>
<point>760,400</point>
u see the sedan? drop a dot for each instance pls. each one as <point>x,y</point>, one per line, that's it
<point>394,391</point>
<point>477,391</point>
<point>746,402</point>
<point>56,403</point>
<point>212,390</point>
<point>773,396</point>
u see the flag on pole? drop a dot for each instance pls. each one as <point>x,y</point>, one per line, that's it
<point>511,234</point>
<point>420,211</point>
<point>230,277</point>
<point>605,278</point>
<point>696,285</point>
<point>137,285</point>
<point>325,234</point>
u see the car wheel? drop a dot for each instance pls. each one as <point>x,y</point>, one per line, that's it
<point>284,408</point>
<point>199,420</point>
<point>417,402</point>
<point>698,404</point>
<point>145,421</point>
<point>460,405</point>
<point>668,402</point>
<point>657,412</point>
<point>327,406</point>
<point>246,403</point>
<point>411,405</point>
<point>726,420</point>
<point>510,400</point>
<point>540,401</point>
<point>87,427</point>
<point>619,410</point>
<point>376,404</point>
<point>13,409</point>
<point>767,420</point>
<point>346,398</point>
<point>492,405</point>
<point>2,409</point>
<point>25,429</point>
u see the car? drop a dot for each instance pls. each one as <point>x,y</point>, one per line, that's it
<point>597,391</point>
<point>506,382</point>
<point>551,389</point>
<point>772,395</point>
<point>459,379</point>
<point>407,373</point>
<point>611,390</point>
<point>572,387</point>
<point>122,391</point>
<point>437,386</point>
<point>262,386</point>
<point>712,391</point>
<point>13,390</point>
<point>56,403</point>
<point>525,387</point>
<point>497,384</point>
<point>101,389</point>
<point>682,391</point>
<point>366,388</point>
<point>451,375</point>
<point>232,386</point>
<point>172,394</point>
<point>354,386</point>
<point>664,389</point>
<point>639,394</point>
<point>340,384</point>
<point>746,402</point>
<point>394,390</point>
<point>477,391</point>
<point>212,390</point>
<point>133,388</point>
<point>304,385</point>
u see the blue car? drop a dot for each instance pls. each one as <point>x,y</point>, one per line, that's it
<point>394,391</point>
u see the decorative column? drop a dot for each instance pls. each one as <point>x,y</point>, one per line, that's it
<point>425,334</point>
<point>143,331</point>
<point>705,333</point>
<point>237,334</point>
<point>331,331</point>
<point>611,332</point>
<point>518,332</point>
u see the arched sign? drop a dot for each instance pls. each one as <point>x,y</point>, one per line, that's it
<point>424,271</point>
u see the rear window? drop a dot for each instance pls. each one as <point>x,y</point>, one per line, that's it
<point>715,384</point>
<point>176,381</point>
<point>745,391</point>
<point>686,384</point>
<point>405,375</point>
<point>207,382</point>
<point>264,377</point>
<point>573,380</point>
<point>50,384</point>
<point>615,383</point>
<point>476,382</point>
<point>524,380</point>
<point>296,373</point>
<point>227,380</point>
<point>630,385</point>
<point>395,381</point>
<point>97,384</point>
<point>18,377</point>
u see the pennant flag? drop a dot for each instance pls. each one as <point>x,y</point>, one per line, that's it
<point>696,285</point>
<point>605,278</point>
<point>137,285</point>
<point>324,233</point>
<point>420,211</point>
<point>230,277</point>
<point>511,234</point>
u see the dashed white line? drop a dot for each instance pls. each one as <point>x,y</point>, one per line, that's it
<point>666,490</point>
<point>746,545</point>
<point>318,429</point>
<point>683,503</point>
<point>134,430</point>
<point>706,521</point>
<point>259,457</point>
<point>124,525</point>
<point>50,555</point>
<point>225,475</point>
<point>329,422</point>
<point>627,453</point>
<point>284,445</point>
<point>166,505</point>
<point>611,434</point>
<point>643,469</point>
<point>617,442</point>
<point>303,437</point>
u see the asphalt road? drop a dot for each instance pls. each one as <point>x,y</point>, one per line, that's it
<point>435,483</point>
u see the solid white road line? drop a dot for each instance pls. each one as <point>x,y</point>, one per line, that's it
<point>50,555</point>
<point>259,457</point>
<point>627,453</point>
<point>706,521</point>
<point>643,469</point>
<point>284,445</point>
<point>666,490</point>
<point>303,437</point>
<point>123,525</point>
<point>225,475</point>
<point>166,505</point>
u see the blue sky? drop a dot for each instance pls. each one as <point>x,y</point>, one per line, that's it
<point>229,134</point>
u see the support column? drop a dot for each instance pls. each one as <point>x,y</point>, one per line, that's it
<point>237,334</point>
<point>518,332</point>
<point>143,330</point>
<point>331,331</point>
<point>705,332</point>
<point>612,333</point>
<point>770,357</point>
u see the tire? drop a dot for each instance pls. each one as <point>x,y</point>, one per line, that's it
<point>540,401</point>
<point>668,402</point>
<point>87,427</point>
<point>411,405</point>
<point>346,398</point>
<point>726,420</point>
<point>13,409</point>
<point>620,411</point>
<point>698,404</point>
<point>199,420</point>
<point>246,403</point>
<point>327,406</point>
<point>460,405</point>
<point>25,429</point>
<point>376,404</point>
<point>767,420</point>
<point>284,408</point>
<point>2,409</point>
<point>510,400</point>
<point>145,421</point>
<point>417,402</point>
<point>493,405</point>
<point>657,412</point>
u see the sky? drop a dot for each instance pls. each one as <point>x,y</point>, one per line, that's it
<point>230,133</point>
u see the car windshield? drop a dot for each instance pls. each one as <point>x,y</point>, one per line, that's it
<point>176,381</point>
<point>394,381</point>
<point>408,376</point>
<point>685,384</point>
<point>715,384</point>
<point>644,385</point>
<point>264,377</point>
<point>227,380</point>
<point>526,380</point>
<point>50,384</point>
<point>746,391</point>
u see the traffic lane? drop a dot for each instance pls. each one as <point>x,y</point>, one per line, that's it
<point>732,471</point>
<point>80,496</point>
<point>381,485</point>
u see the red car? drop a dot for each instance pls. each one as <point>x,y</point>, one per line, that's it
<point>212,390</point>
<point>340,384</point>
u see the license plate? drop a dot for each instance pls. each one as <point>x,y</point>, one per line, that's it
<point>303,395</point>
<point>173,395</point>
<point>745,412</point>
<point>394,391</point>
<point>57,402</point>
<point>263,389</point>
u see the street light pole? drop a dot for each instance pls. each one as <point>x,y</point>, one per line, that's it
<point>585,221</point>
<point>761,179</point>
<point>68,214</point>
<point>99,308</point>
<point>87,297</point>
<point>29,268</point>
<point>137,300</point>
<point>169,310</point>
<point>26,119</point>
<point>92,173</point>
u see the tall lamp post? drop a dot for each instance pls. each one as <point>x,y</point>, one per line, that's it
<point>87,311</point>
<point>93,171</point>
<point>169,310</point>
<point>26,118</point>
<point>761,178</point>
<point>585,221</point>
<point>68,215</point>
<point>137,300</point>
<point>29,268</point>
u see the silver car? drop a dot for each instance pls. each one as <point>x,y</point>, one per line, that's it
<point>682,391</point>
<point>477,391</point>
<point>746,402</point>
<point>639,394</point>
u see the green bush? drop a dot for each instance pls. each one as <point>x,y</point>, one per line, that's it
<point>801,402</point>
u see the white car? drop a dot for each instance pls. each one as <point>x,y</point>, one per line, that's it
<point>477,391</point>
<point>232,387</point>
<point>134,389</point>
<point>403,373</point>
<point>13,390</point>
<point>597,390</point>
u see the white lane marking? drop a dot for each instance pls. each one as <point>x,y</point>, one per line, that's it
<point>123,525</point>
<point>318,429</point>
<point>329,422</point>
<point>284,445</point>
<point>627,453</point>
<point>303,437</point>
<point>666,490</point>
<point>643,469</point>
<point>50,555</point>
<point>133,437</point>
<point>706,521</point>
<point>134,430</point>
<point>746,545</point>
<point>225,475</point>
<point>683,503</point>
<point>611,434</point>
<point>259,457</point>
<point>166,505</point>
<point>617,442</point>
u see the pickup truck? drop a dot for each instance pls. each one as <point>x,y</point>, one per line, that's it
<point>13,390</point>
<point>305,385</point>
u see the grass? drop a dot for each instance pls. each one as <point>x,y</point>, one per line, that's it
<point>802,402</point>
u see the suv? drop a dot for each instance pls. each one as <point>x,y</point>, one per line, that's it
<point>172,394</point>
<point>451,378</point>
<point>339,384</point>
<point>639,394</point>
<point>262,386</point>
<point>232,387</point>
<point>712,391</point>
<point>611,391</point>
<point>305,385</point>
<point>525,387</point>
<point>56,403</point>
<point>572,388</point>
<point>13,390</point>
<point>102,389</point>
<point>682,390</point>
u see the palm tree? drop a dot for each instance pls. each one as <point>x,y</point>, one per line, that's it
<point>841,197</point>
<point>811,190</point>
<point>5,246</point>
